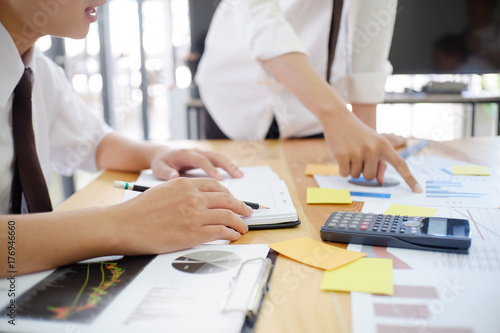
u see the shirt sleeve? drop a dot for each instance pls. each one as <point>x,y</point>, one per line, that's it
<point>268,32</point>
<point>76,130</point>
<point>372,24</point>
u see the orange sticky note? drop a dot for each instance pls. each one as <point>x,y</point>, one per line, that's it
<point>322,169</point>
<point>470,170</point>
<point>316,254</point>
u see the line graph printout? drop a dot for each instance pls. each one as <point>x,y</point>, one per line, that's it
<point>202,289</point>
<point>79,292</point>
<point>483,256</point>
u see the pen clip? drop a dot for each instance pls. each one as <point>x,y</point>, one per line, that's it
<point>260,288</point>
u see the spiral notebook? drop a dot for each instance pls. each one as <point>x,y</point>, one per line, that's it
<point>260,184</point>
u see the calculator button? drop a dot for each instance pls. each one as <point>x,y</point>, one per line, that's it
<point>332,224</point>
<point>413,231</point>
<point>343,225</point>
<point>353,226</point>
<point>363,227</point>
<point>384,229</point>
<point>412,224</point>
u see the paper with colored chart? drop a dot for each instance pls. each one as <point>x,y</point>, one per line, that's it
<point>437,291</point>
<point>368,275</point>
<point>316,254</point>
<point>440,186</point>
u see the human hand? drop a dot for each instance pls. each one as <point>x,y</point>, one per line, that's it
<point>396,141</point>
<point>179,214</point>
<point>168,163</point>
<point>359,149</point>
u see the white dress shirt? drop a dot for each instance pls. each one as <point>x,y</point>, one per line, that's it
<point>66,132</point>
<point>242,97</point>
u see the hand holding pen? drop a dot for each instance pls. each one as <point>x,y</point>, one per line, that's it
<point>142,188</point>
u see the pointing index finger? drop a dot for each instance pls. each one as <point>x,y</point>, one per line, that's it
<point>392,157</point>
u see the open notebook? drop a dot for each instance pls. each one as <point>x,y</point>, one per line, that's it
<point>260,185</point>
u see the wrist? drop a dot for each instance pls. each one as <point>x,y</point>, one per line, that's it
<point>367,113</point>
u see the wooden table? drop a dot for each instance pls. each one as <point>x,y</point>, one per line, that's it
<point>294,302</point>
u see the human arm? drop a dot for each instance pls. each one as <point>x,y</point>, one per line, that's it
<point>119,153</point>
<point>176,215</point>
<point>367,113</point>
<point>357,147</point>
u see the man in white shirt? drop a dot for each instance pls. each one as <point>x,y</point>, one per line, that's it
<point>268,59</point>
<point>177,215</point>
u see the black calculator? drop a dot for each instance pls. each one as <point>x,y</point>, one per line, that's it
<point>411,232</point>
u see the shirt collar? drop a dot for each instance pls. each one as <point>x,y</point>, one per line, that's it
<point>11,66</point>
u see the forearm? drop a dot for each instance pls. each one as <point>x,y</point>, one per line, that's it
<point>44,241</point>
<point>119,153</point>
<point>295,72</point>
<point>367,113</point>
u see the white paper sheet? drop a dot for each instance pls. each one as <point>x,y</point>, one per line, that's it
<point>433,173</point>
<point>435,291</point>
<point>260,185</point>
<point>162,298</point>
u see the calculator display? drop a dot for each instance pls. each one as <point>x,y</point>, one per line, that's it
<point>439,226</point>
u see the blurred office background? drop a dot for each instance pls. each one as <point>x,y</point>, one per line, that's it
<point>135,68</point>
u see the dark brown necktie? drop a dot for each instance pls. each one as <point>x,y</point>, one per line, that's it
<point>334,34</point>
<point>28,176</point>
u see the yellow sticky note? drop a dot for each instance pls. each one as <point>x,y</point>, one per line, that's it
<point>396,209</point>
<point>322,169</point>
<point>318,195</point>
<point>316,254</point>
<point>367,275</point>
<point>470,170</point>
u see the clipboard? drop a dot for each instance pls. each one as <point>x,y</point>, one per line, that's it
<point>258,293</point>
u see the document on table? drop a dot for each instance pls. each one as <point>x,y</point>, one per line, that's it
<point>203,289</point>
<point>260,184</point>
<point>441,187</point>
<point>436,291</point>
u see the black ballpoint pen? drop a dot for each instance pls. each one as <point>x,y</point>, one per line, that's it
<point>141,188</point>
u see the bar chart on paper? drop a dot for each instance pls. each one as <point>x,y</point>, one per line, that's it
<point>463,191</point>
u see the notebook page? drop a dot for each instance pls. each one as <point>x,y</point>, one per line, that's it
<point>272,194</point>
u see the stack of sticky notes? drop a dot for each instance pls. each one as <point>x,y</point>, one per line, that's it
<point>322,169</point>
<point>397,209</point>
<point>319,195</point>
<point>344,270</point>
<point>470,170</point>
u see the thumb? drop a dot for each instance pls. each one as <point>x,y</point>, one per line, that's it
<point>165,171</point>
